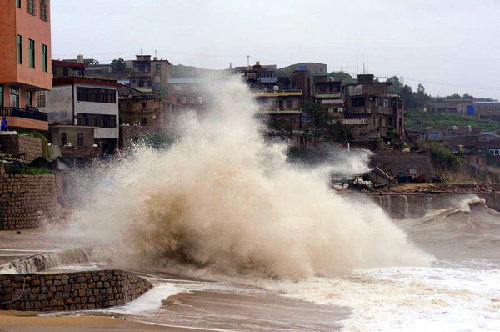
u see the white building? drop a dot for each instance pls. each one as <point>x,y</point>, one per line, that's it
<point>76,102</point>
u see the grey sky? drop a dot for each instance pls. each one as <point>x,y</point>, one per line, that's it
<point>448,45</point>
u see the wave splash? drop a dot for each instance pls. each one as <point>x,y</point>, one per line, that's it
<point>224,199</point>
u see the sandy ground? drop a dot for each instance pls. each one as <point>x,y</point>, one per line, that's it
<point>28,321</point>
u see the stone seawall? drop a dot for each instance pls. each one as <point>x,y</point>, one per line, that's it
<point>71,291</point>
<point>417,205</point>
<point>26,201</point>
<point>26,148</point>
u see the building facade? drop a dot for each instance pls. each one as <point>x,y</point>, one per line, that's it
<point>82,111</point>
<point>142,114</point>
<point>371,110</point>
<point>25,64</point>
<point>281,109</point>
<point>150,75</point>
<point>327,92</point>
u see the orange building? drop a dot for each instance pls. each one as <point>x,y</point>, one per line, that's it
<point>25,64</point>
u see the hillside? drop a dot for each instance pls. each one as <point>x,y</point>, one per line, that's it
<point>417,119</point>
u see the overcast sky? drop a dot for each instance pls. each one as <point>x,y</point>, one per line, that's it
<point>447,45</point>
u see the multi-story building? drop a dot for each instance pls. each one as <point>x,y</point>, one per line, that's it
<point>189,94</point>
<point>77,104</point>
<point>328,92</point>
<point>143,114</point>
<point>282,109</point>
<point>371,109</point>
<point>25,65</point>
<point>150,75</point>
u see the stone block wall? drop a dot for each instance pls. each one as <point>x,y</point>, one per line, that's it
<point>71,291</point>
<point>27,148</point>
<point>26,201</point>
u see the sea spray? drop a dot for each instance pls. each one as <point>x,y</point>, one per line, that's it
<point>224,199</point>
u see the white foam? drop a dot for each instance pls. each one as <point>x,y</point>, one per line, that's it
<point>409,299</point>
<point>148,302</point>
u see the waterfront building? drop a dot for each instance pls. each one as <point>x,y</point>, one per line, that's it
<point>142,114</point>
<point>371,110</point>
<point>25,64</point>
<point>82,111</point>
<point>281,109</point>
<point>327,92</point>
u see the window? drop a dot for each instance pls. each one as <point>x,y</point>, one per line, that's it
<point>79,139</point>
<point>96,120</point>
<point>18,3</point>
<point>31,53</point>
<point>65,72</point>
<point>358,102</point>
<point>29,98</point>
<point>280,104</point>
<point>178,87</point>
<point>32,7</point>
<point>19,41</point>
<point>95,95</point>
<point>1,95</point>
<point>44,58</point>
<point>14,97</point>
<point>64,138</point>
<point>43,10</point>
<point>144,105</point>
<point>141,84</point>
<point>289,104</point>
<point>41,99</point>
<point>158,67</point>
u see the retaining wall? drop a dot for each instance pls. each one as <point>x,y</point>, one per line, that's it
<point>27,148</point>
<point>72,291</point>
<point>394,162</point>
<point>26,201</point>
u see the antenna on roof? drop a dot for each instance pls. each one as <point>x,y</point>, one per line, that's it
<point>248,61</point>
<point>364,69</point>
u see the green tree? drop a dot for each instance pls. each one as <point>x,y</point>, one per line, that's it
<point>118,65</point>
<point>320,114</point>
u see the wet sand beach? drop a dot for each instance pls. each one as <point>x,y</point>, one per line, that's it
<point>14,321</point>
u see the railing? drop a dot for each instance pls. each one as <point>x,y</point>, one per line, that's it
<point>27,113</point>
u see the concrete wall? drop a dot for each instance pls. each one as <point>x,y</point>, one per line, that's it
<point>394,162</point>
<point>72,291</point>
<point>28,148</point>
<point>401,206</point>
<point>26,201</point>
<point>59,105</point>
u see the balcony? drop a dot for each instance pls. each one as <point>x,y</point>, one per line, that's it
<point>26,118</point>
<point>26,113</point>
